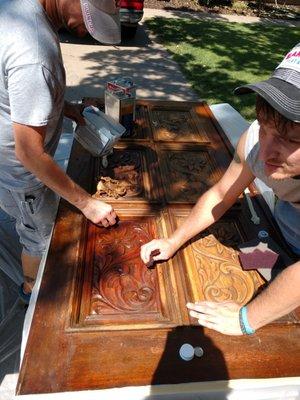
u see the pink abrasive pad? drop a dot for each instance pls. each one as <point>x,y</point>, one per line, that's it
<point>256,254</point>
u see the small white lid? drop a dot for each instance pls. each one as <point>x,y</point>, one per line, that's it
<point>186,352</point>
<point>198,351</point>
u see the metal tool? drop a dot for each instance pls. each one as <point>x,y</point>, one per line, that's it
<point>254,217</point>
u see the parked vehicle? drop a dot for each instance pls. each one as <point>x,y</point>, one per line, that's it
<point>131,12</point>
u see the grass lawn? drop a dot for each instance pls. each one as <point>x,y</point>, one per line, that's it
<point>217,56</point>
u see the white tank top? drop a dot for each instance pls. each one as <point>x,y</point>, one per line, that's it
<point>287,191</point>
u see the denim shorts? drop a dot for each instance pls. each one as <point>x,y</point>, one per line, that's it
<point>34,213</point>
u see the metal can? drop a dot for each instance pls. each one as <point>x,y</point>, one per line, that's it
<point>120,97</point>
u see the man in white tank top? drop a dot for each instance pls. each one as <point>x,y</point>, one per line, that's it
<point>269,150</point>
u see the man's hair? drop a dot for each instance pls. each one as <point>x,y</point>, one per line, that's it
<point>266,113</point>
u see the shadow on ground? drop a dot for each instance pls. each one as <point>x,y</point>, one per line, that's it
<point>154,72</point>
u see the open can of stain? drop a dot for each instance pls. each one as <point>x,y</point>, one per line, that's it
<point>120,97</point>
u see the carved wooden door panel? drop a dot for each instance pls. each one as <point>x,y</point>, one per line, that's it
<point>102,318</point>
<point>116,290</point>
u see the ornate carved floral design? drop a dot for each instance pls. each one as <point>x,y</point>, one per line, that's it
<point>220,274</point>
<point>220,238</point>
<point>121,282</point>
<point>189,175</point>
<point>171,125</point>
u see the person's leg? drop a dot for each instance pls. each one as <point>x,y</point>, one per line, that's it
<point>34,213</point>
<point>30,266</point>
<point>37,212</point>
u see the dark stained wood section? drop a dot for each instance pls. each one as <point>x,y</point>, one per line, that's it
<point>102,318</point>
<point>136,168</point>
<point>187,172</point>
<point>179,123</point>
<point>116,290</point>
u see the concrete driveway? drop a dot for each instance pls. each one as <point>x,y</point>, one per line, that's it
<point>89,65</point>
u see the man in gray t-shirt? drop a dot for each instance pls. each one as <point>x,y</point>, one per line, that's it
<point>32,106</point>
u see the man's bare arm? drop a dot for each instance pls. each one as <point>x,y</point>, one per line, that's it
<point>208,209</point>
<point>279,298</point>
<point>74,112</point>
<point>29,147</point>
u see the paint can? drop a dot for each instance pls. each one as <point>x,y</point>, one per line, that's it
<point>120,97</point>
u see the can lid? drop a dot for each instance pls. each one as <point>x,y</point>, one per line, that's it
<point>187,352</point>
<point>262,235</point>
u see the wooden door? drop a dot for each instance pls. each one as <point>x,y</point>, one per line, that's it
<point>102,318</point>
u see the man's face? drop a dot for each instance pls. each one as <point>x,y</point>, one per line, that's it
<point>280,152</point>
<point>72,17</point>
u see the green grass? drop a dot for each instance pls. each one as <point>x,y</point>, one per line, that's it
<point>218,56</point>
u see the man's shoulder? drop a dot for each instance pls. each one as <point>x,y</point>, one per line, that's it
<point>251,142</point>
<point>250,133</point>
<point>27,36</point>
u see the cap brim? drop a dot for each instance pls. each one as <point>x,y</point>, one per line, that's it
<point>103,27</point>
<point>282,96</point>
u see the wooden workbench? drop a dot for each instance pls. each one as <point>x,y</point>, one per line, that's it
<point>102,318</point>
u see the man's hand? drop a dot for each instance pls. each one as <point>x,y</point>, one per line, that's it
<point>157,250</point>
<point>99,212</point>
<point>74,112</point>
<point>32,155</point>
<point>222,317</point>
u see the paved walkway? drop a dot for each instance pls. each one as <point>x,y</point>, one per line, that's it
<point>89,65</point>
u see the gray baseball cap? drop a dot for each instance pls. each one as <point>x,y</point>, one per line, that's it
<point>282,89</point>
<point>102,20</point>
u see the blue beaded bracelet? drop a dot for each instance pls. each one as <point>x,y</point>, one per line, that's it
<point>244,324</point>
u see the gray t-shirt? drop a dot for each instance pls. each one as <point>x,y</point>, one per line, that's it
<point>32,84</point>
<point>287,206</point>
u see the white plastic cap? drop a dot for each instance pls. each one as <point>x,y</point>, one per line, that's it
<point>186,352</point>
